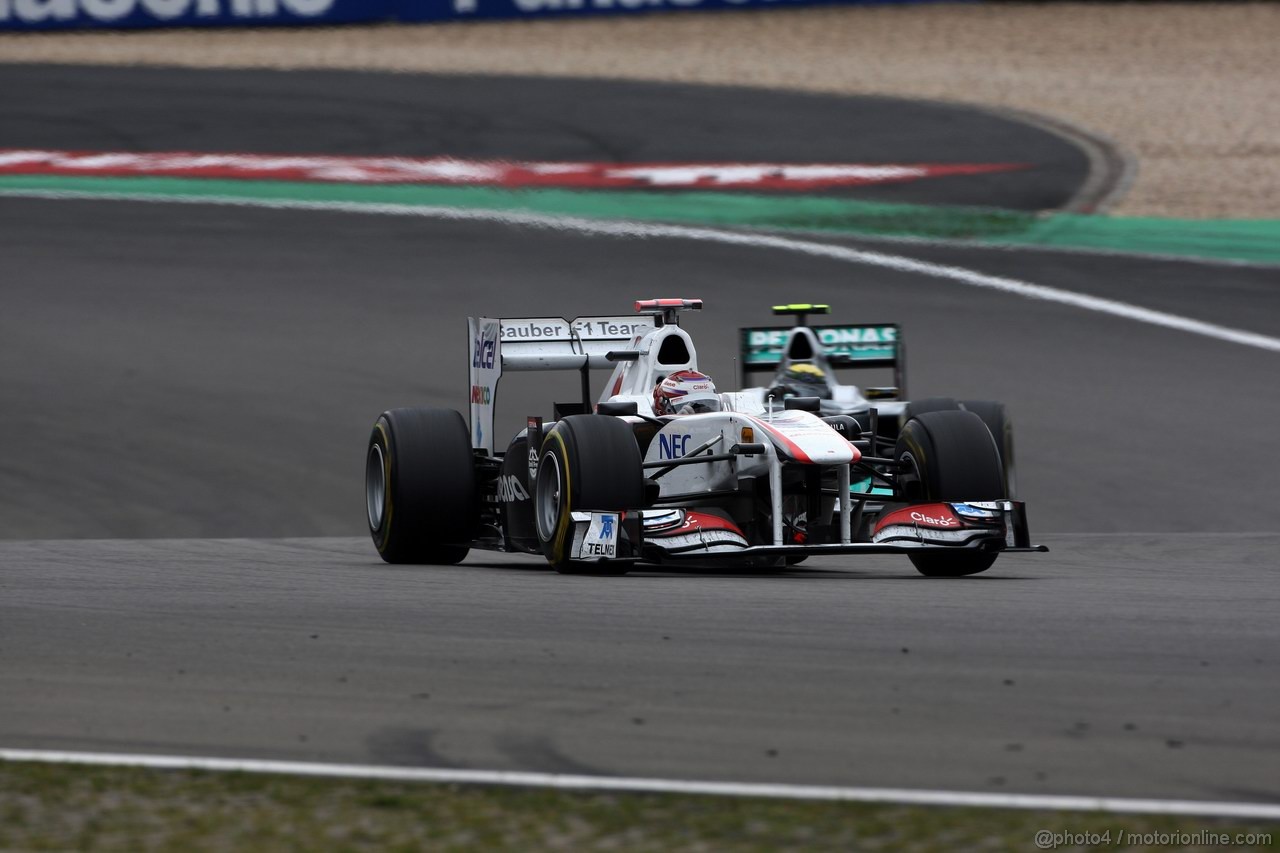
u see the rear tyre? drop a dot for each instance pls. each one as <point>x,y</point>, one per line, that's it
<point>420,486</point>
<point>993,414</point>
<point>931,404</point>
<point>949,456</point>
<point>998,422</point>
<point>587,462</point>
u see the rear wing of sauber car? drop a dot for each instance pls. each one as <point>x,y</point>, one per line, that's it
<point>540,343</point>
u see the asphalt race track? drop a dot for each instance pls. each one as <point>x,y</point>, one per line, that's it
<point>176,375</point>
<point>365,114</point>
<point>1141,666</point>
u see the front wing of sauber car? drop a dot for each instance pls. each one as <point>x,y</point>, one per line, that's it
<point>702,533</point>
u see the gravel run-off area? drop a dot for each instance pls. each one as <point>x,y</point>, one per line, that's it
<point>1190,92</point>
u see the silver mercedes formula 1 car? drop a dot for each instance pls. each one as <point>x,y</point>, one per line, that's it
<point>806,362</point>
<point>741,478</point>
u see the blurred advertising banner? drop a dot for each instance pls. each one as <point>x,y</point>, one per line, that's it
<point>94,14</point>
<point>107,14</point>
<point>441,10</point>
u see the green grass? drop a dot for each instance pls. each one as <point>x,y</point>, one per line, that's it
<point>61,807</point>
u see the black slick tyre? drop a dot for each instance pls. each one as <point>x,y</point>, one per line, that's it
<point>587,462</point>
<point>931,404</point>
<point>998,422</point>
<point>949,456</point>
<point>993,414</point>
<point>420,486</point>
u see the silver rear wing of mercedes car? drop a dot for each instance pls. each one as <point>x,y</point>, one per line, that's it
<point>861,345</point>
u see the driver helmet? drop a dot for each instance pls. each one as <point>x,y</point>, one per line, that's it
<point>685,392</point>
<point>803,380</point>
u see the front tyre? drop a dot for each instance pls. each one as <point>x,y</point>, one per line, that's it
<point>420,486</point>
<point>948,456</point>
<point>587,462</point>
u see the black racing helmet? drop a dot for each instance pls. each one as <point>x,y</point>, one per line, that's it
<point>802,380</point>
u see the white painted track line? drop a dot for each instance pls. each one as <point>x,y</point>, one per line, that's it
<point>641,230</point>
<point>899,796</point>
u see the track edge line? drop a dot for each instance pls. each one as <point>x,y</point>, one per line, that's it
<point>900,796</point>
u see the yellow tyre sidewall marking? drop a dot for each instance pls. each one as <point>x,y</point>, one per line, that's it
<point>565,516</point>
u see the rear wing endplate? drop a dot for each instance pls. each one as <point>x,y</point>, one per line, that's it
<point>539,343</point>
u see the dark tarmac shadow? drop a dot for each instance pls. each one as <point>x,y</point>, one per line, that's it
<point>533,566</point>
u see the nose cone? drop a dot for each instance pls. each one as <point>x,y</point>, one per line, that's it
<point>806,438</point>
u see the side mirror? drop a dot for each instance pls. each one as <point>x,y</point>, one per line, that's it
<point>627,407</point>
<point>804,404</point>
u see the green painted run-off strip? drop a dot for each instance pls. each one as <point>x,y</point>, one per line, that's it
<point>1256,240</point>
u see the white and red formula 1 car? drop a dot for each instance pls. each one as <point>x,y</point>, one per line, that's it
<point>604,486</point>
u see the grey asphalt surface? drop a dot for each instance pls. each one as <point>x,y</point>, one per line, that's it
<point>174,375</point>
<point>354,113</point>
<point>1127,666</point>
